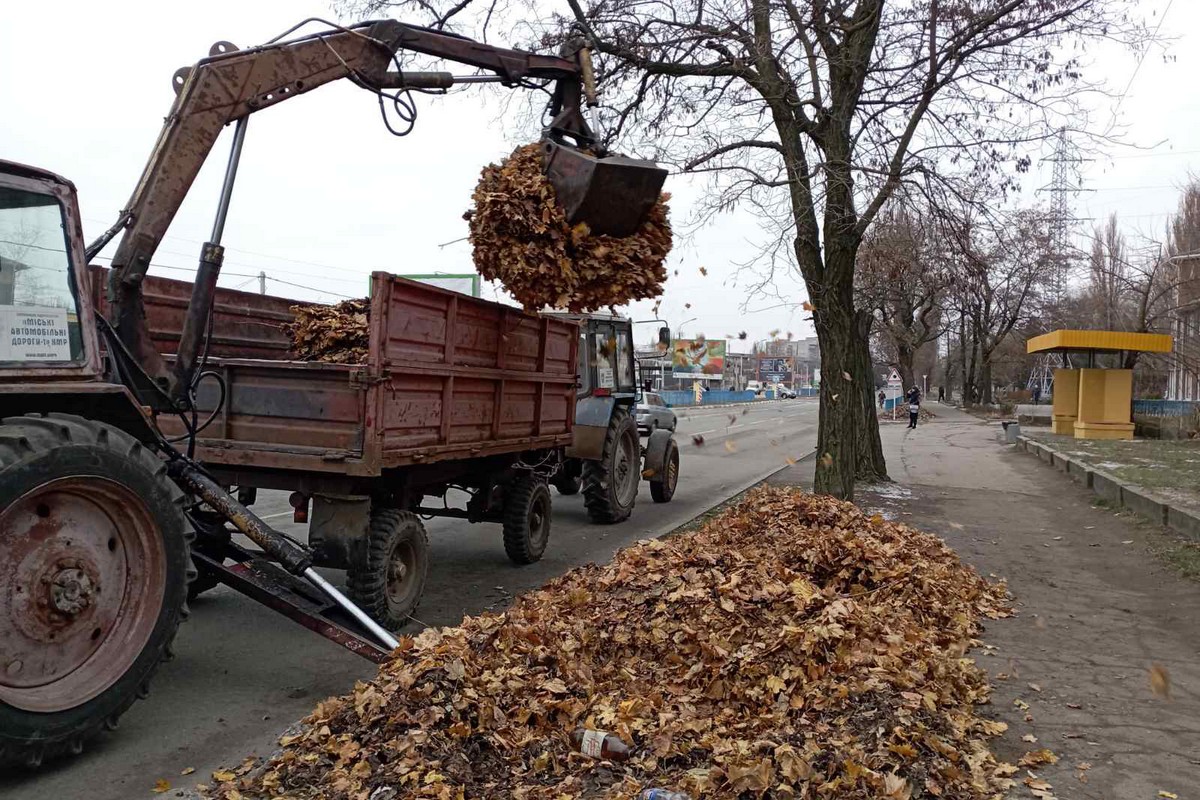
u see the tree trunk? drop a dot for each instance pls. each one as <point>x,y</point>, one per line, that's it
<point>985,378</point>
<point>871,466</point>
<point>837,461</point>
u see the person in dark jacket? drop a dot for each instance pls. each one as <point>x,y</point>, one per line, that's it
<point>914,405</point>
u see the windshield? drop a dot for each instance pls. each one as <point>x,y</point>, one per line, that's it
<point>39,318</point>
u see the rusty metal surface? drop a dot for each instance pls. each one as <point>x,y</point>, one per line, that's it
<point>245,325</point>
<point>82,577</point>
<point>275,589</point>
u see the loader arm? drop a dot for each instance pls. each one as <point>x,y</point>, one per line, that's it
<point>232,84</point>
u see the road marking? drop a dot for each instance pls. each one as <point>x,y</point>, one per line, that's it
<point>280,514</point>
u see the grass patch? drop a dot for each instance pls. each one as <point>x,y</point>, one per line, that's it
<point>1155,464</point>
<point>1180,554</point>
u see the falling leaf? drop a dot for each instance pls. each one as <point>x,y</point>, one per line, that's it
<point>1160,680</point>
<point>1035,687</point>
<point>698,439</point>
<point>161,785</point>
<point>703,271</point>
<point>834,397</point>
<point>773,334</point>
<point>187,770</point>
<point>807,306</point>
<point>827,460</point>
<point>1168,795</point>
<point>743,335</point>
<point>790,461</point>
<point>687,305</point>
<point>730,446</point>
<point>846,375</point>
<point>648,473</point>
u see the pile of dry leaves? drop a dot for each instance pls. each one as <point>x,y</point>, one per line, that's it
<point>522,239</point>
<point>336,334</point>
<point>792,647</point>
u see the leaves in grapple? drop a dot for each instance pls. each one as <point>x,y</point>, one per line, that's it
<point>520,237</point>
<point>790,647</point>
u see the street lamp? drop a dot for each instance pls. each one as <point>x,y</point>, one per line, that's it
<point>679,330</point>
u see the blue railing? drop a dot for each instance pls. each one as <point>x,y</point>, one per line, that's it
<point>1164,408</point>
<point>714,397</point>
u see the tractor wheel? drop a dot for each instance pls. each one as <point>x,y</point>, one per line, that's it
<point>663,489</point>
<point>526,519</point>
<point>610,485</point>
<point>95,548</point>
<point>387,576</point>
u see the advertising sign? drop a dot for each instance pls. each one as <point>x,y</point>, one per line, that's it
<point>34,334</point>
<point>775,370</point>
<point>698,358</point>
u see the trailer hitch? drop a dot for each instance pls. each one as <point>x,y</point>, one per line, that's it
<point>292,556</point>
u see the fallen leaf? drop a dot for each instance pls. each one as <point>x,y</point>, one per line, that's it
<point>1168,795</point>
<point>187,770</point>
<point>223,775</point>
<point>1029,737</point>
<point>161,786</point>
<point>1160,680</point>
<point>1036,757</point>
<point>1035,687</point>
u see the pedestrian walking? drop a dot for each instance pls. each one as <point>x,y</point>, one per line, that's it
<point>1037,394</point>
<point>941,394</point>
<point>914,405</point>
<point>882,399</point>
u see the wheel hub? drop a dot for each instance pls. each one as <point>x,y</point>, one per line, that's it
<point>88,574</point>
<point>71,592</point>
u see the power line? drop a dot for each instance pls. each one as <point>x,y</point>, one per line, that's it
<point>309,288</point>
<point>1137,67</point>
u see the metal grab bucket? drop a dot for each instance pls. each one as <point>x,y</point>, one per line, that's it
<point>612,195</point>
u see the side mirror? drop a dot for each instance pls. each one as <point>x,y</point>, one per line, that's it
<point>664,337</point>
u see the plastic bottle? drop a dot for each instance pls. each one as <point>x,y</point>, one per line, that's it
<point>663,794</point>
<point>599,744</point>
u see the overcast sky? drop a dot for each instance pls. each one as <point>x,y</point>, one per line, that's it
<point>325,194</point>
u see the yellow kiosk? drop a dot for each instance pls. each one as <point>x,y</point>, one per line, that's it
<point>1095,403</point>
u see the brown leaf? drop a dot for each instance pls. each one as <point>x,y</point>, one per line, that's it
<point>161,785</point>
<point>1160,680</point>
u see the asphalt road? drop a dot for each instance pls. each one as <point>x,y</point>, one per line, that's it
<point>242,673</point>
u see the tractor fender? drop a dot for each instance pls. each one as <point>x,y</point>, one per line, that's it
<point>592,417</point>
<point>656,453</point>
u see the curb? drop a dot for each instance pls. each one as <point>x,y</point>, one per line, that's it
<point>1144,502</point>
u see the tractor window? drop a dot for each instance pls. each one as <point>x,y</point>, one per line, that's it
<point>39,317</point>
<point>624,361</point>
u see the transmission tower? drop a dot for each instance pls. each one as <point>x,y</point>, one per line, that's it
<point>1064,187</point>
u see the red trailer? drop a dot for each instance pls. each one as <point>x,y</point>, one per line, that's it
<point>455,392</point>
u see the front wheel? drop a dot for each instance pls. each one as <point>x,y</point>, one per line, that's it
<point>95,548</point>
<point>664,489</point>
<point>387,577</point>
<point>526,519</point>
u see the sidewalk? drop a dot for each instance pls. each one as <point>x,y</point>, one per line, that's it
<point>1095,611</point>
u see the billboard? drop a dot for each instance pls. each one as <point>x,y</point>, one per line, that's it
<point>776,369</point>
<point>698,358</point>
<point>464,284</point>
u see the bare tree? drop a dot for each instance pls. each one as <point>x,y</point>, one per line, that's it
<point>814,113</point>
<point>903,277</point>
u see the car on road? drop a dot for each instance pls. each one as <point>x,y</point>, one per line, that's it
<point>787,394</point>
<point>652,413</point>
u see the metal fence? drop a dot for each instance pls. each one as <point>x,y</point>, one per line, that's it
<point>1165,408</point>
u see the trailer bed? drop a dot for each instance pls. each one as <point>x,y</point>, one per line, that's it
<point>447,377</point>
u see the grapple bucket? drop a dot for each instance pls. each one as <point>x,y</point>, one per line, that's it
<point>612,195</point>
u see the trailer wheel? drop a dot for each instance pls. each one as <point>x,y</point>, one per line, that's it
<point>610,485</point>
<point>663,489</point>
<point>526,519</point>
<point>95,548</point>
<point>387,577</point>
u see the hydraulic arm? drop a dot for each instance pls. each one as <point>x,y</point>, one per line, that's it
<point>612,194</point>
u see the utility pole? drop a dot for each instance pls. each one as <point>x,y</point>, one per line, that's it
<point>1064,186</point>
<point>262,282</point>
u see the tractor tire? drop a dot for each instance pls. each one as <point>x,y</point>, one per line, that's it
<point>526,519</point>
<point>663,490</point>
<point>97,547</point>
<point>387,575</point>
<point>610,485</point>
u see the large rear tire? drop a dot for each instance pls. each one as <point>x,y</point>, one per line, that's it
<point>662,488</point>
<point>95,545</point>
<point>387,578</point>
<point>610,485</point>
